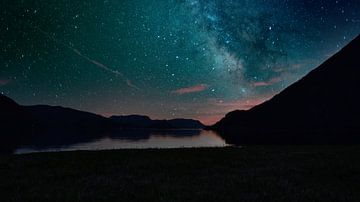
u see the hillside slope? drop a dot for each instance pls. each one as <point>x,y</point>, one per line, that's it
<point>324,102</point>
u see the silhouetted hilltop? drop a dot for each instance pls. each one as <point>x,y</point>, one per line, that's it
<point>15,124</point>
<point>139,121</point>
<point>45,116</point>
<point>13,117</point>
<point>11,111</point>
<point>43,125</point>
<point>53,116</point>
<point>324,102</point>
<point>6,102</point>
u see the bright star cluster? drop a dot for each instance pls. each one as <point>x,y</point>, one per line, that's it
<point>176,58</point>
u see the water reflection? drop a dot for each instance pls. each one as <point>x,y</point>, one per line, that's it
<point>127,139</point>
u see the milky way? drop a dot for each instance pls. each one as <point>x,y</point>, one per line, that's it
<point>175,58</point>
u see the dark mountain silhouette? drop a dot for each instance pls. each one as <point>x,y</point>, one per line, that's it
<point>54,125</point>
<point>11,113</point>
<point>139,121</point>
<point>185,123</point>
<point>322,107</point>
<point>132,121</point>
<point>15,123</point>
<point>56,116</point>
<point>45,116</point>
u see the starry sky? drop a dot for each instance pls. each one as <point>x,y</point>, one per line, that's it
<point>170,58</point>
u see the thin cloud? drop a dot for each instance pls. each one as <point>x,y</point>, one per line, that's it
<point>191,89</point>
<point>267,83</point>
<point>3,82</point>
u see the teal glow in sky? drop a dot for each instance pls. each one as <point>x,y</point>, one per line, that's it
<point>176,58</point>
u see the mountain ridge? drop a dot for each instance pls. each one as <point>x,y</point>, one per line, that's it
<point>324,102</point>
<point>45,124</point>
<point>59,115</point>
<point>146,122</point>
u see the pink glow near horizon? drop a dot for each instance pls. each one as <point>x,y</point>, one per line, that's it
<point>219,108</point>
<point>210,112</point>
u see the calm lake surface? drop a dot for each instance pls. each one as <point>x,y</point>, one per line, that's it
<point>133,139</point>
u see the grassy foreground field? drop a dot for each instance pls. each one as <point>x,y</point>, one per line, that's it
<point>270,173</point>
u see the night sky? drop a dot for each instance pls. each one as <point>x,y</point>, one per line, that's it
<point>169,58</point>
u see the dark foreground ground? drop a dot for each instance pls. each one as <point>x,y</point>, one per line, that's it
<point>278,173</point>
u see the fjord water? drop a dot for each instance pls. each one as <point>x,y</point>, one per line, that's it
<point>129,139</point>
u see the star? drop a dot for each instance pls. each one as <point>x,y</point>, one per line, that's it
<point>89,55</point>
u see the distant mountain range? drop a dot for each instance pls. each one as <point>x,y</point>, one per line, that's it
<point>321,108</point>
<point>138,121</point>
<point>19,123</point>
<point>56,116</point>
